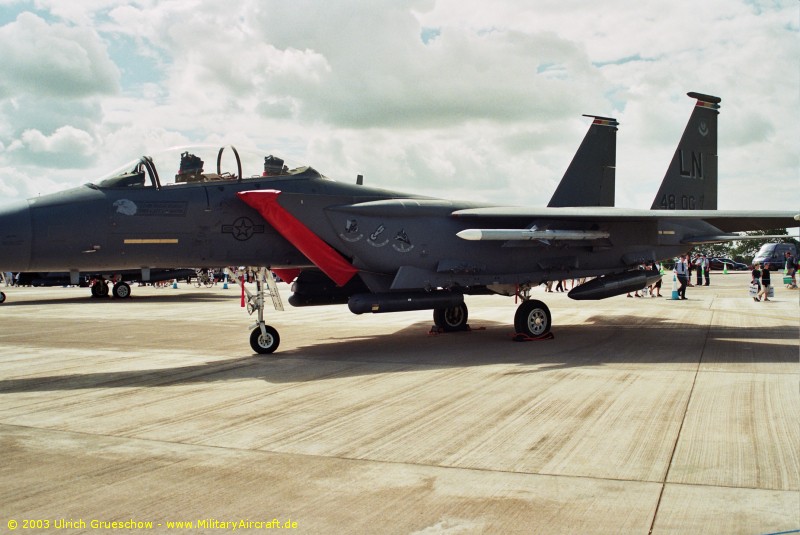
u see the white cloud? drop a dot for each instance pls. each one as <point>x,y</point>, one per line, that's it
<point>447,98</point>
<point>66,147</point>
<point>10,180</point>
<point>77,12</point>
<point>17,185</point>
<point>54,60</point>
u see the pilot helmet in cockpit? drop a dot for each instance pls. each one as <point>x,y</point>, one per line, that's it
<point>273,166</point>
<point>191,168</point>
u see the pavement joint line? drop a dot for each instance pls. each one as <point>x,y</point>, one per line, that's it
<point>334,457</point>
<point>383,461</point>
<point>683,421</point>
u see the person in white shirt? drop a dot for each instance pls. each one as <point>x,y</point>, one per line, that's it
<point>682,271</point>
<point>699,267</point>
<point>703,265</point>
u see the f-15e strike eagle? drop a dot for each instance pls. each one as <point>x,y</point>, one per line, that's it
<point>385,251</point>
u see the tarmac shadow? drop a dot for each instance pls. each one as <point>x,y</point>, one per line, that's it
<point>596,342</point>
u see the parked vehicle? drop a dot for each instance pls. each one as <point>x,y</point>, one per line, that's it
<point>718,264</point>
<point>774,254</point>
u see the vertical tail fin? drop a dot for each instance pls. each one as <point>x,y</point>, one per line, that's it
<point>691,179</point>
<point>589,179</point>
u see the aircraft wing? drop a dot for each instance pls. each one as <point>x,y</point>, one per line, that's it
<point>488,221</point>
<point>726,220</point>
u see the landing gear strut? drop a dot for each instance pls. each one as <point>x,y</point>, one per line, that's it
<point>264,339</point>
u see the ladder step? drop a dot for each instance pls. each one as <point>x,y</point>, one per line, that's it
<point>272,288</point>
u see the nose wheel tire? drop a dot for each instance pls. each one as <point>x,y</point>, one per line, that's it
<point>533,319</point>
<point>264,345</point>
<point>452,318</point>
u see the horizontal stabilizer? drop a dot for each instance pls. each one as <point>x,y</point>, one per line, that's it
<point>474,234</point>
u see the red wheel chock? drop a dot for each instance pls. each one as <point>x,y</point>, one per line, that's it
<point>520,337</point>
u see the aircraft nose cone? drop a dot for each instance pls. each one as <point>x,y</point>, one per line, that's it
<point>15,237</point>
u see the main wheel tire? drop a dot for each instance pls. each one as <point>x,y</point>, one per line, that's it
<point>533,319</point>
<point>2,298</point>
<point>100,289</point>
<point>263,345</point>
<point>452,318</point>
<point>122,290</point>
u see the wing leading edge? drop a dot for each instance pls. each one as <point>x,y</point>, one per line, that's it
<point>720,223</point>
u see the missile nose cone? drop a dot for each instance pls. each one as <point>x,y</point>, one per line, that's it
<point>470,234</point>
<point>15,237</point>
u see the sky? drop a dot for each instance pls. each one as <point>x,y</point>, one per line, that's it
<point>458,99</point>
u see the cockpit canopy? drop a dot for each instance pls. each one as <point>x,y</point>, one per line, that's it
<point>200,164</point>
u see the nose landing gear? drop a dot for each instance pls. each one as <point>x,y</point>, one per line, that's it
<point>264,339</point>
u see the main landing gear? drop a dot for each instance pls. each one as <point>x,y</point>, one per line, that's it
<point>121,289</point>
<point>451,319</point>
<point>264,339</point>
<point>99,289</point>
<point>532,319</point>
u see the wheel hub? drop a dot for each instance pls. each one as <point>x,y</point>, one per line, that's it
<point>536,321</point>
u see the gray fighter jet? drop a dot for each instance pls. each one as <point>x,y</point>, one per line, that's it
<point>377,250</point>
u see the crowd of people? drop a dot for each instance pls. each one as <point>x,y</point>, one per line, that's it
<point>702,268</point>
<point>761,281</point>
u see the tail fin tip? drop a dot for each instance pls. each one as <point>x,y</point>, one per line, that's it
<point>705,101</point>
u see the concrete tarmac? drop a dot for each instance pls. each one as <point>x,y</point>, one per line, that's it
<point>642,415</point>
